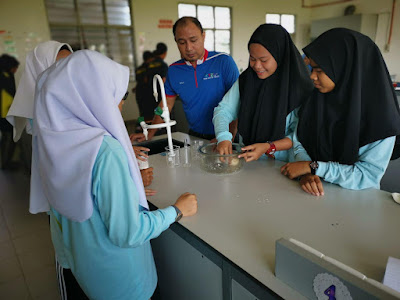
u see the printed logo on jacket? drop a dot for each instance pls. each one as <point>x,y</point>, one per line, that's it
<point>210,76</point>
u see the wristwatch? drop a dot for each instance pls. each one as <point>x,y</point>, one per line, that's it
<point>272,149</point>
<point>314,166</point>
<point>179,214</point>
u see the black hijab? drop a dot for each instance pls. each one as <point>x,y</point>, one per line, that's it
<point>265,103</point>
<point>7,80</point>
<point>361,109</point>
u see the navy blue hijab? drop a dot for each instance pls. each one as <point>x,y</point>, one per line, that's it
<point>265,103</point>
<point>361,109</point>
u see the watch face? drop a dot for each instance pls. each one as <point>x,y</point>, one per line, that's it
<point>314,165</point>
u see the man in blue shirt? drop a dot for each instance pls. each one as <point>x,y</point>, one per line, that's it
<point>201,78</point>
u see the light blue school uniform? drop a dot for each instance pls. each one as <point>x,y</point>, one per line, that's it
<point>367,172</point>
<point>110,253</point>
<point>227,111</point>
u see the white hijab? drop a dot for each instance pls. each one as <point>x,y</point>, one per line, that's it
<point>76,104</point>
<point>38,60</point>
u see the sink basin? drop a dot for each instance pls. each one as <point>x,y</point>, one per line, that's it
<point>158,146</point>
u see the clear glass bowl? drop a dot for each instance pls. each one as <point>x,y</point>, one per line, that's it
<point>213,162</point>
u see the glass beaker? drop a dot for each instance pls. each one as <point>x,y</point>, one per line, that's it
<point>173,158</point>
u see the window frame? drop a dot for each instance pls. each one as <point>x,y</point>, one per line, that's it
<point>214,29</point>
<point>280,22</point>
<point>81,27</point>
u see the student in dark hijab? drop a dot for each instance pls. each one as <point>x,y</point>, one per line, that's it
<point>348,127</point>
<point>157,67</point>
<point>8,64</point>
<point>265,97</point>
<point>161,51</point>
<point>144,87</point>
<point>8,67</point>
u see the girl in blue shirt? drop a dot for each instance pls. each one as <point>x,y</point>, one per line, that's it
<point>85,174</point>
<point>265,96</point>
<point>347,130</point>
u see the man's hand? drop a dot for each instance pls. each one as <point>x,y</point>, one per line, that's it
<point>147,176</point>
<point>296,169</point>
<point>225,147</point>
<point>139,137</point>
<point>254,152</point>
<point>187,204</point>
<point>312,184</point>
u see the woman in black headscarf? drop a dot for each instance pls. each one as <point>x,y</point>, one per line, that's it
<point>349,126</point>
<point>265,96</point>
<point>8,67</point>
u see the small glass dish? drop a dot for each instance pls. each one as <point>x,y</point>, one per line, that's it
<point>213,162</point>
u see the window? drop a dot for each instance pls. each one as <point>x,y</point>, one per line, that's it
<point>287,21</point>
<point>100,25</point>
<point>216,22</point>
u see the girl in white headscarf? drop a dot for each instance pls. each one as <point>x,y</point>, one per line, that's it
<point>43,56</point>
<point>84,171</point>
<point>20,116</point>
<point>21,112</point>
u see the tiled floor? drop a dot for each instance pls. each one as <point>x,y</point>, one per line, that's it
<point>27,268</point>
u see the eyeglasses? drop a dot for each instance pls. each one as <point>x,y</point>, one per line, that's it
<point>125,96</point>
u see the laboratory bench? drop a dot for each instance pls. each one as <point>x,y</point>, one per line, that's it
<point>227,250</point>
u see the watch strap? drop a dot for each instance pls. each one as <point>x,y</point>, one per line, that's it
<point>272,149</point>
<point>314,166</point>
<point>179,214</point>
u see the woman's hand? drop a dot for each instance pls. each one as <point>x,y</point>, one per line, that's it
<point>312,184</point>
<point>147,176</point>
<point>139,154</point>
<point>150,192</point>
<point>296,169</point>
<point>137,137</point>
<point>254,152</point>
<point>225,147</point>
